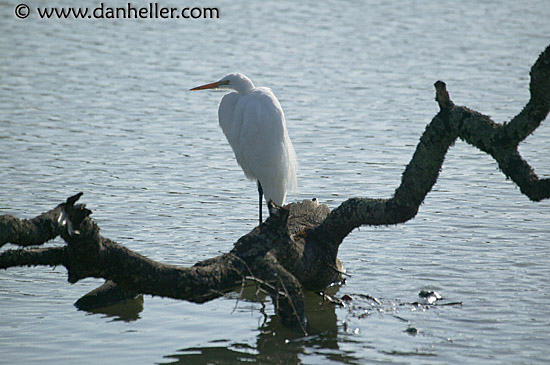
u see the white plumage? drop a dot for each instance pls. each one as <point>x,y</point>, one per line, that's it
<point>254,124</point>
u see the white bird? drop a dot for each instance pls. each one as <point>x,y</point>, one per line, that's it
<point>254,123</point>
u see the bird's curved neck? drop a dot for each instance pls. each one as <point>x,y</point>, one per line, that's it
<point>244,87</point>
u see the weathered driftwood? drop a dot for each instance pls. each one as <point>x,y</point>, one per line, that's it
<point>296,248</point>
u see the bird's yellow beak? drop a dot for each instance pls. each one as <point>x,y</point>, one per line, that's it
<point>212,85</point>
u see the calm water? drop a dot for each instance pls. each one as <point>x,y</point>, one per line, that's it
<point>101,106</point>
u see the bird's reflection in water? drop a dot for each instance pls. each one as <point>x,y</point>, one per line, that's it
<point>275,342</point>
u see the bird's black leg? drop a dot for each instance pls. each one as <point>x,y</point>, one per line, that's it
<point>260,193</point>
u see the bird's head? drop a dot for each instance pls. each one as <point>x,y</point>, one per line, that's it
<point>237,82</point>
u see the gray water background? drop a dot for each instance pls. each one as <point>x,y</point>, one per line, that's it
<point>102,107</point>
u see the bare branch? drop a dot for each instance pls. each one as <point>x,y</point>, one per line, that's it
<point>35,231</point>
<point>296,248</point>
<point>500,141</point>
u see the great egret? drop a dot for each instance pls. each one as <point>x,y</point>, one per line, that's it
<point>254,123</point>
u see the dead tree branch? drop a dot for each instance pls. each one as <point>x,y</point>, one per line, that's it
<point>452,122</point>
<point>296,247</point>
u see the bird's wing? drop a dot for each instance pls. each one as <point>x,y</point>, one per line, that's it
<point>262,142</point>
